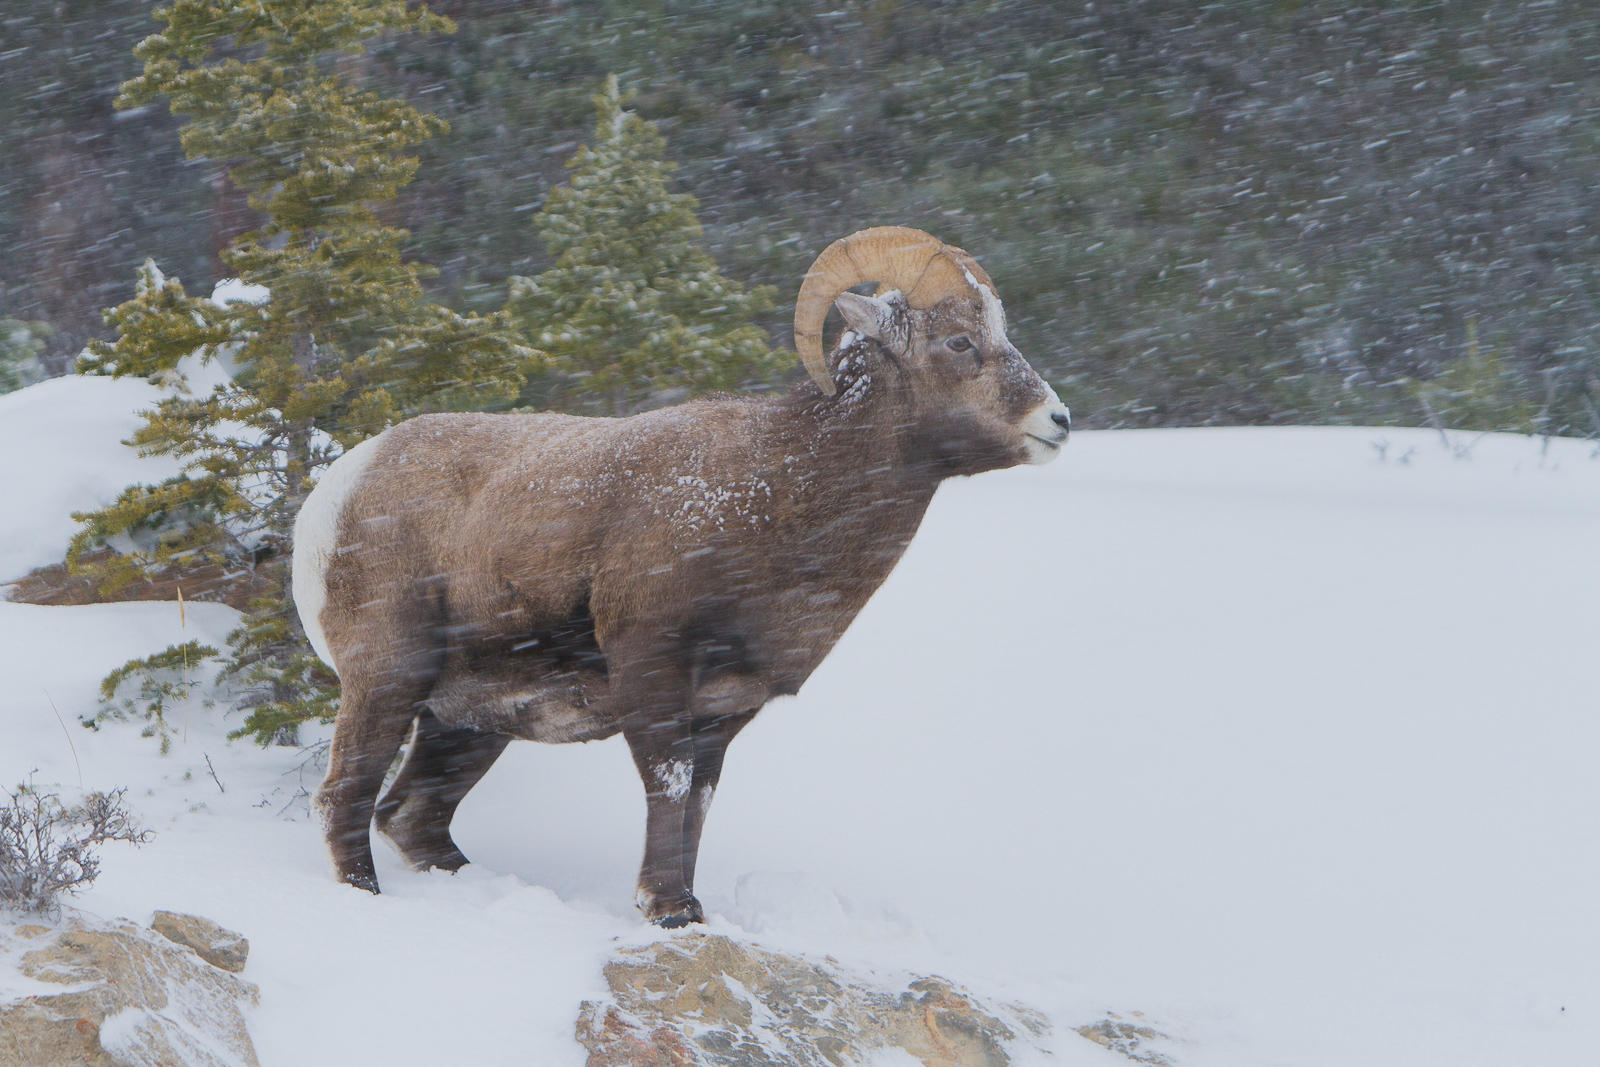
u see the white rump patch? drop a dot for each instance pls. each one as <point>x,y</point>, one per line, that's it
<point>706,793</point>
<point>675,777</point>
<point>316,536</point>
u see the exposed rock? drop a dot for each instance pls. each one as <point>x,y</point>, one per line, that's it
<point>217,946</point>
<point>703,1000</point>
<point>1130,1039</point>
<point>137,1000</point>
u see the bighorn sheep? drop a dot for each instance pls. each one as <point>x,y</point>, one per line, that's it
<point>475,578</point>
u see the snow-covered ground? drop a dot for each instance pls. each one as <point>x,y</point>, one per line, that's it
<point>60,452</point>
<point>1287,738</point>
<point>60,446</point>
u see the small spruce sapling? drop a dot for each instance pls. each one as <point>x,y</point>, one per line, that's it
<point>1479,391</point>
<point>21,345</point>
<point>157,684</point>
<point>635,310</point>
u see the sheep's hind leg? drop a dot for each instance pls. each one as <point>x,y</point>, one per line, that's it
<point>441,767</point>
<point>372,723</point>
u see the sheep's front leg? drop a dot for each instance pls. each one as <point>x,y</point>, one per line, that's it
<point>711,738</point>
<point>663,751</point>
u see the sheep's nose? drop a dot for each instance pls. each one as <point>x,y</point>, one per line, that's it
<point>1062,419</point>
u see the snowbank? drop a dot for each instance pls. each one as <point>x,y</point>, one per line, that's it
<point>62,444</point>
<point>1281,737</point>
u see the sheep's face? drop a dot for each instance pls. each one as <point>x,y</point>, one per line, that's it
<point>977,404</point>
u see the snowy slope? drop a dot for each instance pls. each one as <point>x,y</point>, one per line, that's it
<point>60,448</point>
<point>60,452</point>
<point>1286,742</point>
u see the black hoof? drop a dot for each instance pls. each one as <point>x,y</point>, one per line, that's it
<point>681,915</point>
<point>448,862</point>
<point>369,882</point>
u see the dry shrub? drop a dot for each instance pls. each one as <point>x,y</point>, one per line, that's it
<point>48,848</point>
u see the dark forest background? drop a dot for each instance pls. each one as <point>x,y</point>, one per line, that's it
<point>1197,213</point>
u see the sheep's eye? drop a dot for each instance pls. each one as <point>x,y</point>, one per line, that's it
<point>959,344</point>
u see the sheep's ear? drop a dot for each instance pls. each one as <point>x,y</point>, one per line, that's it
<point>867,315</point>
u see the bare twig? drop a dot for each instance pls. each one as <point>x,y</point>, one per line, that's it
<point>1544,418</point>
<point>314,755</point>
<point>1594,416</point>
<point>298,793</point>
<point>67,735</point>
<point>1433,419</point>
<point>183,625</point>
<point>1465,451</point>
<point>213,772</point>
<point>1460,451</point>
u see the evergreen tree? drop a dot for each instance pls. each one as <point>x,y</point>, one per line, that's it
<point>635,307</point>
<point>1479,391</point>
<point>345,342</point>
<point>21,345</point>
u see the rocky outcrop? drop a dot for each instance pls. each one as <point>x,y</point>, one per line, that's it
<point>217,946</point>
<point>135,999</point>
<point>703,1000</point>
<point>1138,1042</point>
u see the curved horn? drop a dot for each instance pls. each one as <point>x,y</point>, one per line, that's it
<point>921,266</point>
